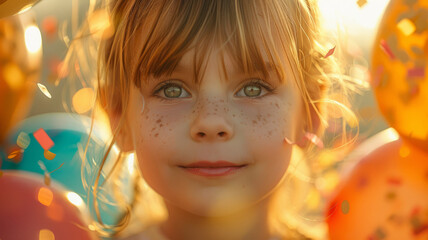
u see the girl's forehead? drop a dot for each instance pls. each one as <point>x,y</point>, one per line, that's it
<point>249,44</point>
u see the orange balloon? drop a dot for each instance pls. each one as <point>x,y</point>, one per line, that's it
<point>384,197</point>
<point>20,64</point>
<point>399,70</point>
<point>10,7</point>
<point>29,209</point>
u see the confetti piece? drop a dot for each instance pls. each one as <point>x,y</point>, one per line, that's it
<point>361,3</point>
<point>314,139</point>
<point>49,155</point>
<point>45,196</point>
<point>46,234</point>
<point>47,179</point>
<point>1,173</point>
<point>378,73</point>
<point>385,48</point>
<point>44,140</point>
<point>345,207</point>
<point>44,90</point>
<point>406,26</point>
<point>394,181</point>
<point>50,26</point>
<point>330,52</point>
<point>416,72</point>
<point>57,168</point>
<point>23,140</point>
<point>15,155</point>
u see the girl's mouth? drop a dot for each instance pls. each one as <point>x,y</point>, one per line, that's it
<point>213,171</point>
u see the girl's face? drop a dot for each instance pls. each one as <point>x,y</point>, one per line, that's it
<point>242,120</point>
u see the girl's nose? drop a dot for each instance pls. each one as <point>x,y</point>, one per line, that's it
<point>211,123</point>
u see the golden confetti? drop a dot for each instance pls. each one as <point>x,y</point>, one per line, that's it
<point>46,234</point>
<point>1,173</point>
<point>83,100</point>
<point>406,26</point>
<point>330,52</point>
<point>23,140</point>
<point>44,90</point>
<point>49,155</point>
<point>345,207</point>
<point>45,196</point>
<point>15,155</point>
<point>361,3</point>
<point>47,179</point>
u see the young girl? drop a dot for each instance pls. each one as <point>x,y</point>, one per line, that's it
<point>215,98</point>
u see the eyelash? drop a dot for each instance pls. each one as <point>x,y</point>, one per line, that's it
<point>168,83</point>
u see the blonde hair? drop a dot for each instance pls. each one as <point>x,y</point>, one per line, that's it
<point>246,29</point>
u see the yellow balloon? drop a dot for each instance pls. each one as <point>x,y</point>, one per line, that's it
<point>399,68</point>
<point>11,7</point>
<point>20,62</point>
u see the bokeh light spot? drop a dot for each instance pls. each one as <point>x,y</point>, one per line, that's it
<point>33,39</point>
<point>83,100</point>
<point>75,199</point>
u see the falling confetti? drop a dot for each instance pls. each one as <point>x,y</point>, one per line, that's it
<point>49,155</point>
<point>345,207</point>
<point>1,173</point>
<point>23,140</point>
<point>330,52</point>
<point>15,155</point>
<point>44,140</point>
<point>44,90</point>
<point>385,48</point>
<point>361,3</point>
<point>56,168</point>
<point>47,179</point>
<point>314,139</point>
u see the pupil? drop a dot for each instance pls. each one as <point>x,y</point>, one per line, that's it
<point>172,91</point>
<point>252,91</point>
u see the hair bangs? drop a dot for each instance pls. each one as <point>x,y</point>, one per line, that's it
<point>239,29</point>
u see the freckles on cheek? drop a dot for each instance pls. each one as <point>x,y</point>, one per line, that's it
<point>268,122</point>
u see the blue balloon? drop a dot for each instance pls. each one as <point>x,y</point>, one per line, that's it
<point>70,133</point>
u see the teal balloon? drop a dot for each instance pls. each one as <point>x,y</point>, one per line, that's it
<point>69,132</point>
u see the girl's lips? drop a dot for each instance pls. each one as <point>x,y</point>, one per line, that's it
<point>213,171</point>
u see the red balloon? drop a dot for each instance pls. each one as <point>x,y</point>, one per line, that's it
<point>30,209</point>
<point>385,196</point>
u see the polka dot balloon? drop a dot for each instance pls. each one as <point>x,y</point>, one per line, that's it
<point>399,68</point>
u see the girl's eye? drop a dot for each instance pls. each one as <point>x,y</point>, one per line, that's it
<point>169,90</point>
<point>254,88</point>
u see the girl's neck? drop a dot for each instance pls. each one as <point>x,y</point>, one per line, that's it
<point>251,223</point>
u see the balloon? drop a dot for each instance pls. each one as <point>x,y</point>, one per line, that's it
<point>20,66</point>
<point>55,143</point>
<point>399,69</point>
<point>10,7</point>
<point>386,194</point>
<point>31,210</point>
